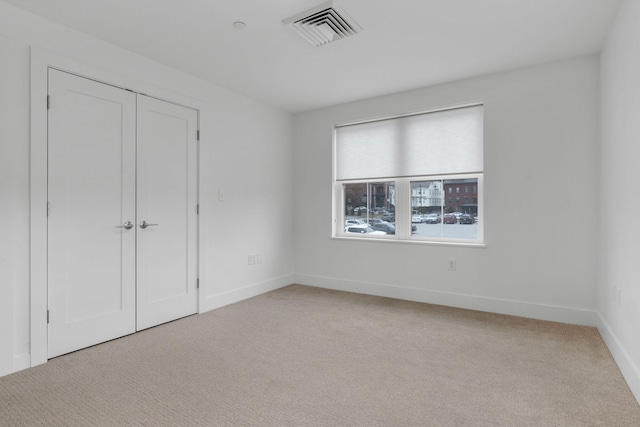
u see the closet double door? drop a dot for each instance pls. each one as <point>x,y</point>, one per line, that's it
<point>122,212</point>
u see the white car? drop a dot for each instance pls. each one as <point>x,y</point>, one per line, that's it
<point>431,218</point>
<point>363,229</point>
<point>355,222</point>
<point>416,219</point>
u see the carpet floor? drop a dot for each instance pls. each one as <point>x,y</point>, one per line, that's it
<point>302,356</point>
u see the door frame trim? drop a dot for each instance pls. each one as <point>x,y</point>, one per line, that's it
<point>41,61</point>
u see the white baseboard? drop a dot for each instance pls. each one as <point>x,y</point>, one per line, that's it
<point>630,371</point>
<point>220,300</point>
<point>571,315</point>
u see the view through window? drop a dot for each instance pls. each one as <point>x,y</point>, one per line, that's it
<point>437,215</point>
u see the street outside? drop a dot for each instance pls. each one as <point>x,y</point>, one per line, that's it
<point>447,231</point>
<point>430,231</point>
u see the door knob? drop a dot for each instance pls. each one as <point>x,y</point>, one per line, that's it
<point>127,225</point>
<point>145,224</point>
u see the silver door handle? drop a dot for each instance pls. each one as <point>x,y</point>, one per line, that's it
<point>127,225</point>
<point>145,224</point>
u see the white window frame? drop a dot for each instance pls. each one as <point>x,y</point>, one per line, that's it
<point>479,240</point>
<point>403,208</point>
<point>339,208</point>
<point>403,211</point>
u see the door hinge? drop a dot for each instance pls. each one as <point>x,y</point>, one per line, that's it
<point>48,102</point>
<point>48,208</point>
<point>47,316</point>
<point>198,283</point>
<point>198,134</point>
<point>197,209</point>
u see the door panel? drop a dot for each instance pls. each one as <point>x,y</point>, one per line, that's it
<point>167,198</point>
<point>91,191</point>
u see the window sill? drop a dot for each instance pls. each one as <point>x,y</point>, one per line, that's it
<point>412,242</point>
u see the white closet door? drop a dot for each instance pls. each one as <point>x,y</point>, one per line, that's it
<point>166,201</point>
<point>91,192</point>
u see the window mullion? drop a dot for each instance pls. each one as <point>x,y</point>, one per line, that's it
<point>403,209</point>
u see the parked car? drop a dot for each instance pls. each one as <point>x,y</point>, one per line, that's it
<point>466,219</point>
<point>432,218</point>
<point>373,221</point>
<point>384,226</point>
<point>363,229</point>
<point>449,219</point>
<point>355,222</point>
<point>389,217</point>
<point>416,219</point>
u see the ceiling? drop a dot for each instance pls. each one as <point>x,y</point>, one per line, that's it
<point>404,44</point>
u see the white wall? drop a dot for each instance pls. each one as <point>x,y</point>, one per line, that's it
<point>619,266</point>
<point>541,197</point>
<point>14,205</point>
<point>246,151</point>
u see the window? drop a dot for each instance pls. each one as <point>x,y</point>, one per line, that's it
<point>392,174</point>
<point>365,198</point>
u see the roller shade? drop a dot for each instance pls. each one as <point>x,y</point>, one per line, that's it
<point>436,143</point>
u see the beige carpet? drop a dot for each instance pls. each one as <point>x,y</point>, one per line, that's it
<point>301,356</point>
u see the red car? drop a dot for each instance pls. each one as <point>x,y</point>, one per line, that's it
<point>449,219</point>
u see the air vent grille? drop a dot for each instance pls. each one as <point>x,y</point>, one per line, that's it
<point>323,24</point>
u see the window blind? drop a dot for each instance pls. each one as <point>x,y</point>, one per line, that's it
<point>435,143</point>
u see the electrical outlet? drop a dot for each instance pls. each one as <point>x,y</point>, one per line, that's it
<point>220,195</point>
<point>452,265</point>
<point>251,259</point>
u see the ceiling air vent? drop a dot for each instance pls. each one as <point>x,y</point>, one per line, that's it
<point>323,24</point>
